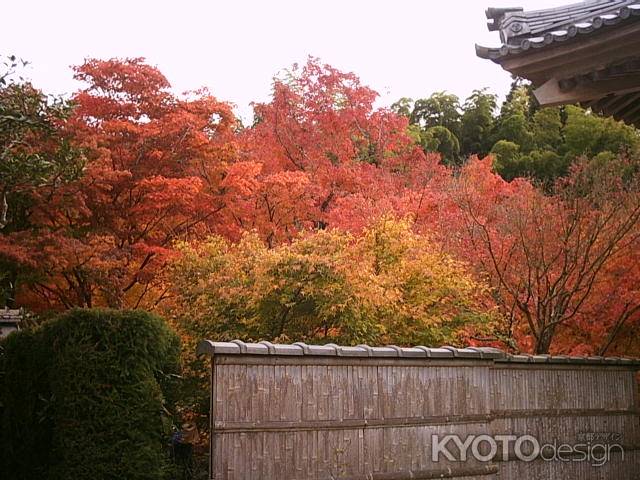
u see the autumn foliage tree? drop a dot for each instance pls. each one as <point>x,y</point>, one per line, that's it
<point>388,285</point>
<point>320,155</point>
<point>154,173</point>
<point>555,261</point>
<point>133,196</point>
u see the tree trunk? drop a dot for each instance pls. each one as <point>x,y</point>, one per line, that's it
<point>543,342</point>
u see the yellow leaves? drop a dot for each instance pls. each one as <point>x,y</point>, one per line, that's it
<point>389,285</point>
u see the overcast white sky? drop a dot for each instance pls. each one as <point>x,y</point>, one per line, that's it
<point>399,47</point>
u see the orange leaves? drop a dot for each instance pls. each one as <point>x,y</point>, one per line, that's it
<point>555,260</point>
<point>319,161</point>
<point>155,172</point>
<point>161,193</point>
<point>125,89</point>
<point>241,177</point>
<point>359,161</point>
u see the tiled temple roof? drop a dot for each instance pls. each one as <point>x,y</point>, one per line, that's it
<point>522,31</point>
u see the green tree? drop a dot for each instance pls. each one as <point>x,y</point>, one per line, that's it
<point>440,139</point>
<point>477,123</point>
<point>513,123</point>
<point>506,159</point>
<point>439,110</point>
<point>88,395</point>
<point>33,149</point>
<point>545,166</point>
<point>515,128</point>
<point>518,101</point>
<point>542,143</point>
<point>547,128</point>
<point>589,134</point>
<point>403,107</point>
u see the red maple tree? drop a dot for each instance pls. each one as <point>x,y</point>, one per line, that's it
<point>155,170</point>
<point>321,155</point>
<point>562,266</point>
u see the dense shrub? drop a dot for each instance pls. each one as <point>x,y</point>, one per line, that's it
<point>83,397</point>
<point>25,442</point>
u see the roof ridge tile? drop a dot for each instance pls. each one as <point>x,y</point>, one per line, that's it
<point>519,28</point>
<point>238,347</point>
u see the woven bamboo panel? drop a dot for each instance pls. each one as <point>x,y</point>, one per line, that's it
<point>564,405</point>
<point>319,417</point>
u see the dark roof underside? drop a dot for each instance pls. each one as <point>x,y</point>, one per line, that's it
<point>625,107</point>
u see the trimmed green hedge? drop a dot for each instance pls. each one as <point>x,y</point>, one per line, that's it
<point>82,397</point>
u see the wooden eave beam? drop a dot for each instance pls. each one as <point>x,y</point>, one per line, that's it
<point>551,93</point>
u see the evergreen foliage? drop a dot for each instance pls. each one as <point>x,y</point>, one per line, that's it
<point>82,397</point>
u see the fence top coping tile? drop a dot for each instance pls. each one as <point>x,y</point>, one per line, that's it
<point>238,347</point>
